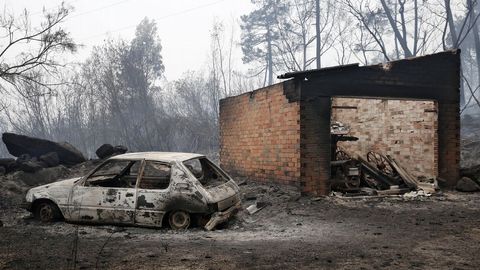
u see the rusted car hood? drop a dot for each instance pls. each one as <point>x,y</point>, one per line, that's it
<point>57,191</point>
<point>222,192</point>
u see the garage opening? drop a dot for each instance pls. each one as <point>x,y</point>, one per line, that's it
<point>374,130</point>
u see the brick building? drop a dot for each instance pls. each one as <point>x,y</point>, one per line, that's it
<point>408,109</point>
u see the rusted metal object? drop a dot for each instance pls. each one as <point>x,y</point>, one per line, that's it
<point>381,162</point>
<point>345,170</point>
<point>342,155</point>
<point>374,177</point>
<point>345,175</point>
<point>148,189</point>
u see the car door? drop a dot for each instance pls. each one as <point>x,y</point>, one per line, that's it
<point>152,193</point>
<point>107,195</point>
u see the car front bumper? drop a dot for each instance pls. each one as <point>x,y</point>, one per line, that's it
<point>220,217</point>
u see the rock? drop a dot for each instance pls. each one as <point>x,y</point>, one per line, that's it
<point>30,166</point>
<point>3,170</point>
<point>69,155</point>
<point>18,145</point>
<point>23,158</point>
<point>45,176</point>
<point>13,167</point>
<point>6,162</point>
<point>466,184</point>
<point>120,149</point>
<point>471,172</point>
<point>50,159</point>
<point>105,150</point>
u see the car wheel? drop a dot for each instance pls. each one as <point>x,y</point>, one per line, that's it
<point>179,220</point>
<point>47,212</point>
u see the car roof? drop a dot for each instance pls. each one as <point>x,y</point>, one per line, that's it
<point>158,156</point>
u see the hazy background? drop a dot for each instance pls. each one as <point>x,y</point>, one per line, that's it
<point>183,25</point>
<point>149,74</point>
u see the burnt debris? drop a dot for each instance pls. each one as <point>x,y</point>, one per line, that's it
<point>376,174</point>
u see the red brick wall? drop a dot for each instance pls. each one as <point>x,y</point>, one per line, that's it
<point>260,136</point>
<point>403,129</point>
<point>449,142</point>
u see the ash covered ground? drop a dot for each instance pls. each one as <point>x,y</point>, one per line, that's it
<point>292,232</point>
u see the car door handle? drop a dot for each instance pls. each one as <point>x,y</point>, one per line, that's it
<point>129,194</point>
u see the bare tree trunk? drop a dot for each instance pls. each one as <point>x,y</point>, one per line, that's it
<point>403,22</point>
<point>222,71</point>
<point>451,24</point>
<point>415,33</point>
<point>476,38</point>
<point>397,52</point>
<point>269,58</point>
<point>318,33</point>
<point>401,39</point>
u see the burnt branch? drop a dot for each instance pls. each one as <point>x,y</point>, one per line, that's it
<point>45,42</point>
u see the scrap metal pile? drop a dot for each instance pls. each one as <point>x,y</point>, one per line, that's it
<point>376,174</point>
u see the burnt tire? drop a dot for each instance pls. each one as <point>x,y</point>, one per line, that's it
<point>46,211</point>
<point>179,220</point>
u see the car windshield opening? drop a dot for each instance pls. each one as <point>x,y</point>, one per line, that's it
<point>115,173</point>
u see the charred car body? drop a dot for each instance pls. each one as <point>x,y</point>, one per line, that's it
<point>147,189</point>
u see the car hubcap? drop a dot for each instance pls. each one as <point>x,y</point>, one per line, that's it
<point>46,213</point>
<point>180,220</point>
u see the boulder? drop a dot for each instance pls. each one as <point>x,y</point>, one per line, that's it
<point>18,145</point>
<point>120,149</point>
<point>31,166</point>
<point>472,172</point>
<point>13,167</point>
<point>50,159</point>
<point>6,162</point>
<point>23,158</point>
<point>105,150</point>
<point>466,184</point>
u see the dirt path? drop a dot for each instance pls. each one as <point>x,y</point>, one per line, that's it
<point>440,232</point>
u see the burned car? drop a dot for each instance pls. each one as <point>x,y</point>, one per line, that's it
<point>148,189</point>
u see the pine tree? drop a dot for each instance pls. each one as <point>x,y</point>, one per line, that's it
<point>259,35</point>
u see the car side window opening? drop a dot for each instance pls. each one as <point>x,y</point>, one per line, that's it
<point>205,172</point>
<point>156,175</point>
<point>115,173</point>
